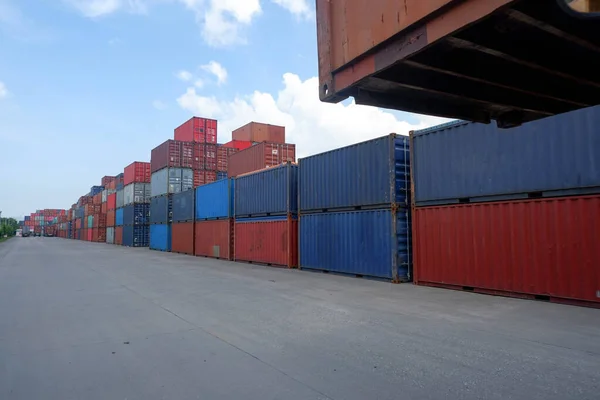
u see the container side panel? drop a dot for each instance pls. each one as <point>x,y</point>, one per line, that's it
<point>214,200</point>
<point>119,217</point>
<point>213,238</point>
<point>161,209</point>
<point>270,191</point>
<point>268,242</point>
<point>540,247</point>
<point>183,206</point>
<point>469,160</point>
<point>160,237</point>
<point>182,237</point>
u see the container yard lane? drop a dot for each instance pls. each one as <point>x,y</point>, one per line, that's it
<point>90,321</point>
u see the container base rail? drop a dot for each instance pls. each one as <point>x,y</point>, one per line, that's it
<point>516,295</point>
<point>349,275</point>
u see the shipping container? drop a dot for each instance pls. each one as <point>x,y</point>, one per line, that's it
<point>238,144</point>
<point>119,217</point>
<point>161,209</point>
<point>100,220</point>
<point>110,235</point>
<point>89,234</point>
<point>370,243</point>
<point>167,154</point>
<point>543,247</point>
<point>119,235</point>
<point>120,198</point>
<point>371,174</point>
<point>196,129</point>
<point>106,180</point>
<point>205,156</point>
<point>260,156</point>
<point>136,214</point>
<point>136,235</point>
<point>272,191</point>
<point>94,190</point>
<point>259,132</point>
<point>215,200</point>
<point>458,59</point>
<point>103,208</point>
<point>90,221</point>
<point>171,180</point>
<point>136,172</point>
<point>221,175</point>
<point>214,238</point>
<point>99,235</point>
<point>267,240</point>
<point>182,237</point>
<point>111,201</point>
<point>184,206</point>
<point>202,177</point>
<point>136,193</point>
<point>469,162</point>
<point>223,154</point>
<point>160,237</point>
<point>111,218</point>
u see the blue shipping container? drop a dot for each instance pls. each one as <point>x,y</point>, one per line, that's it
<point>373,243</point>
<point>95,190</point>
<point>375,173</point>
<point>119,217</point>
<point>161,209</point>
<point>136,235</point>
<point>160,237</point>
<point>136,214</point>
<point>215,200</point>
<point>267,192</point>
<point>221,175</point>
<point>120,186</point>
<point>184,205</point>
<point>467,160</point>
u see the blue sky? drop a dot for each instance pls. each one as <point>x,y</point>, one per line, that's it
<point>88,86</point>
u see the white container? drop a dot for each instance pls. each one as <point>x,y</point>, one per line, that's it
<point>120,198</point>
<point>171,180</point>
<point>110,235</point>
<point>136,193</point>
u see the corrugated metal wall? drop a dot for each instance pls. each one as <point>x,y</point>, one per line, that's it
<point>215,200</point>
<point>469,160</point>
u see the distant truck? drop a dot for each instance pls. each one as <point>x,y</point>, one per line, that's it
<point>512,61</point>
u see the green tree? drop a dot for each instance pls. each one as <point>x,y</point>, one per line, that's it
<point>8,227</point>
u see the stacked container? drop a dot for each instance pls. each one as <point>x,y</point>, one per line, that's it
<point>266,216</point>
<point>160,222</point>
<point>182,232</point>
<point>198,140</point>
<point>513,212</point>
<point>111,206</point>
<point>259,156</point>
<point>136,208</point>
<point>354,210</point>
<point>214,220</point>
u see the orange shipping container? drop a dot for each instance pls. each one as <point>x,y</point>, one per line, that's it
<point>267,241</point>
<point>214,238</point>
<point>119,235</point>
<point>182,238</point>
<point>260,156</point>
<point>259,132</point>
<point>110,218</point>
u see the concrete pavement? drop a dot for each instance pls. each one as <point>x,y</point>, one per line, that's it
<point>90,321</point>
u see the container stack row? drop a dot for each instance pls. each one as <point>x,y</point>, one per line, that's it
<point>355,211</point>
<point>133,208</point>
<point>514,212</point>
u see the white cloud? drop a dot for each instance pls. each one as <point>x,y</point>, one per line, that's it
<point>199,83</point>
<point>3,90</point>
<point>159,105</point>
<point>296,7</point>
<point>313,125</point>
<point>184,75</point>
<point>217,70</point>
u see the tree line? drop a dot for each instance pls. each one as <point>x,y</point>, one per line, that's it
<point>8,227</point>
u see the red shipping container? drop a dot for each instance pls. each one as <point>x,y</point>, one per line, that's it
<point>119,235</point>
<point>111,201</point>
<point>137,172</point>
<point>272,242</point>
<point>89,234</point>
<point>100,220</point>
<point>182,237</point>
<point>197,130</point>
<point>106,180</point>
<point>167,154</point>
<point>223,154</point>
<point>112,185</point>
<point>188,156</point>
<point>99,235</point>
<point>544,247</point>
<point>259,132</point>
<point>78,224</point>
<point>205,156</point>
<point>259,156</point>
<point>110,218</point>
<point>103,208</point>
<point>214,238</point>
<point>97,199</point>
<point>238,144</point>
<point>204,177</point>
